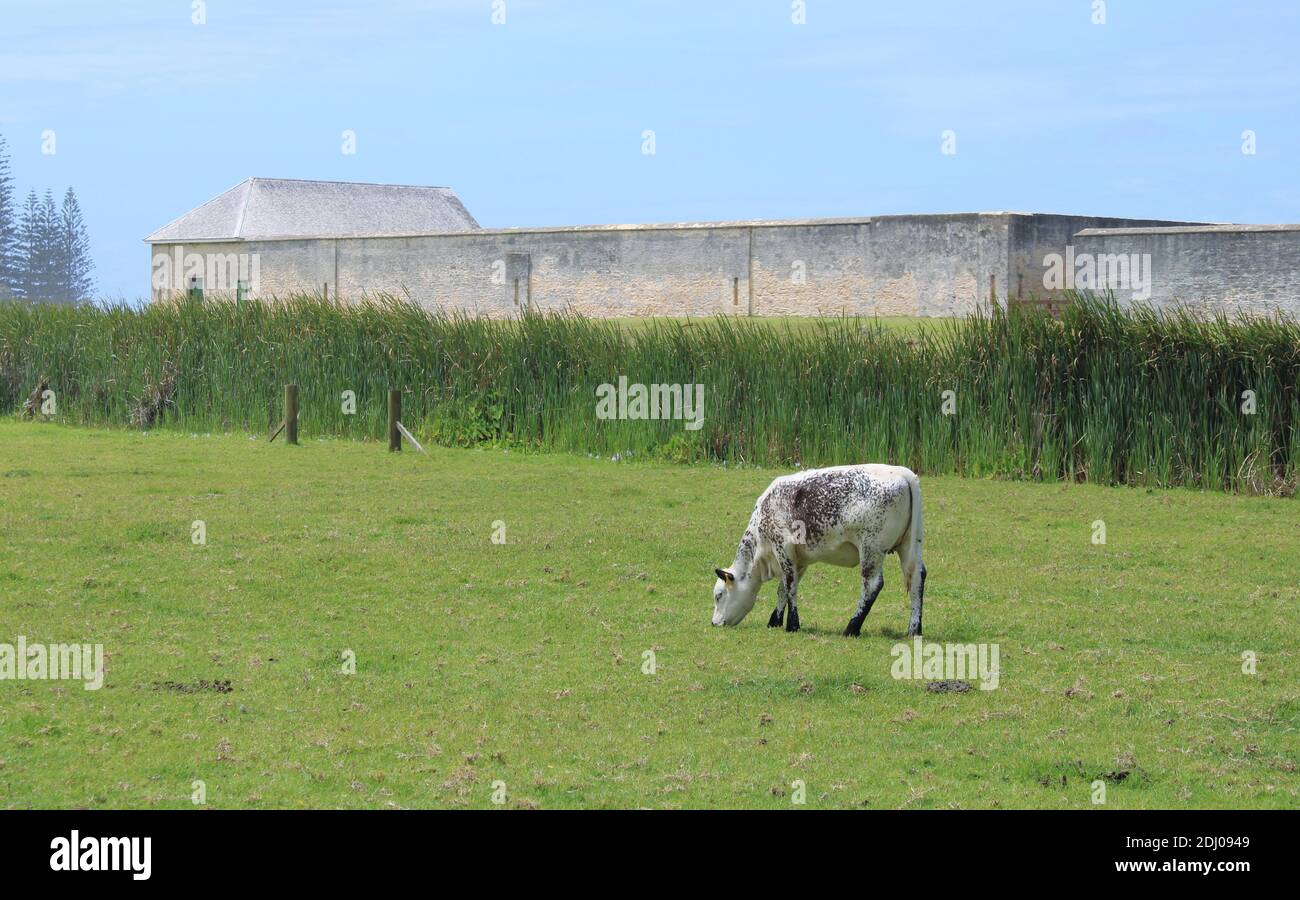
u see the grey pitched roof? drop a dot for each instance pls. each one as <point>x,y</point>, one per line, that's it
<point>282,208</point>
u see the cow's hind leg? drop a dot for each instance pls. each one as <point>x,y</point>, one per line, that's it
<point>918,598</point>
<point>914,582</point>
<point>873,579</point>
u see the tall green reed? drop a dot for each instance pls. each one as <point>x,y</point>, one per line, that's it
<point>1101,394</point>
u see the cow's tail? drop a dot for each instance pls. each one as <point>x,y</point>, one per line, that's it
<point>910,553</point>
<point>916,529</point>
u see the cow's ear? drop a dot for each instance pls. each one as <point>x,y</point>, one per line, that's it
<point>726,576</point>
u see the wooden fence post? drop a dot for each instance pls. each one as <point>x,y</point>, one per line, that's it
<point>291,413</point>
<point>394,413</point>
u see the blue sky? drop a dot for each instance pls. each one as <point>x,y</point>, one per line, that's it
<point>539,121</point>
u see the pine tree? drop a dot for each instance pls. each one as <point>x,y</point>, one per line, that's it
<point>44,250</point>
<point>49,265</point>
<point>73,254</point>
<point>8,226</point>
<point>27,284</point>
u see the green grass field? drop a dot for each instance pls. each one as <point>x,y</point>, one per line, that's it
<point>522,663</point>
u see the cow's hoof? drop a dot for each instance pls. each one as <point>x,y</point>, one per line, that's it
<point>913,632</point>
<point>792,621</point>
<point>777,619</point>
<point>853,629</point>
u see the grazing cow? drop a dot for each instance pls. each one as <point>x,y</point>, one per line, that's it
<point>845,516</point>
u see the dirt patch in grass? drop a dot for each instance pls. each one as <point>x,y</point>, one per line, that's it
<point>202,686</point>
<point>947,687</point>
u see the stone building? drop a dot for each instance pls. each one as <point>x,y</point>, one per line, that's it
<point>276,237</point>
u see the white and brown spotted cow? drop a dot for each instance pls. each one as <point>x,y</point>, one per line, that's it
<point>845,516</point>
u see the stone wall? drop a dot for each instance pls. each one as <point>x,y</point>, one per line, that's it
<point>1228,268</point>
<point>892,265</point>
<point>1034,237</point>
<point>925,265</point>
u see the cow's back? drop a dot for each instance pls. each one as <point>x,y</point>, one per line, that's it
<point>832,505</point>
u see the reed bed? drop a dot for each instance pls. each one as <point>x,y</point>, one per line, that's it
<point>1102,394</point>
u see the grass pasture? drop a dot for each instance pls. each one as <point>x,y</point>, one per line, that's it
<point>522,662</point>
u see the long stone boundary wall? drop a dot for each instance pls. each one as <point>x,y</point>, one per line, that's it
<point>923,265</point>
<point>1253,269</point>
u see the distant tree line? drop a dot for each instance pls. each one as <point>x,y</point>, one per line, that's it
<point>44,251</point>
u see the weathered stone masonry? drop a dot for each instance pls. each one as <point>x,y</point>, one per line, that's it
<point>923,265</point>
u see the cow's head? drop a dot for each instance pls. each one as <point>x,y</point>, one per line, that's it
<point>733,597</point>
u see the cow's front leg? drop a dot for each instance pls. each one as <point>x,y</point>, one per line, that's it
<point>787,590</point>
